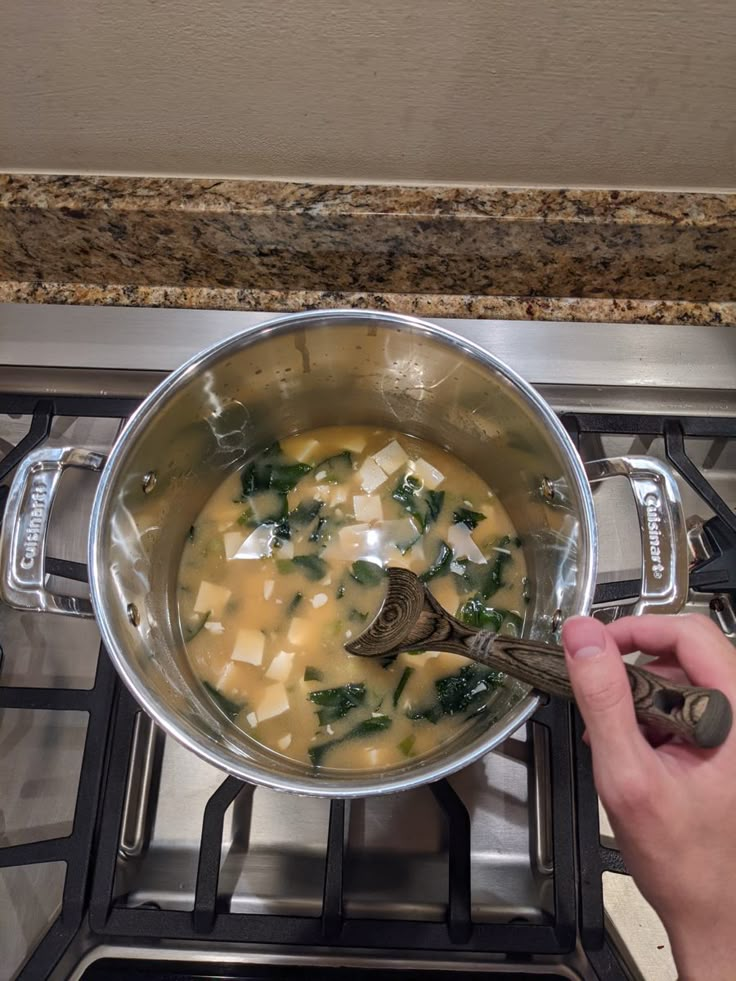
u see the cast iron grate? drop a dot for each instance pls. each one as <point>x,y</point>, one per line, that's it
<point>76,850</point>
<point>211,919</point>
<point>90,852</point>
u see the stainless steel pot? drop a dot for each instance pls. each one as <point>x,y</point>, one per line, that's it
<point>292,374</point>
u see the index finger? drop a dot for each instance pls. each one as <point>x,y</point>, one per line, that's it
<point>699,646</point>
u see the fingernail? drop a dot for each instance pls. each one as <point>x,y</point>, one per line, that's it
<point>583,637</point>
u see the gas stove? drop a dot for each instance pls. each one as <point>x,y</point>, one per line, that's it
<point>122,855</point>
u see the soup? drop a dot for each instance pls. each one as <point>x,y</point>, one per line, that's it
<point>285,564</point>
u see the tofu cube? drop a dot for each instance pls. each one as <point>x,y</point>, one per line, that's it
<point>430,476</point>
<point>268,589</point>
<point>212,598</point>
<point>232,540</point>
<point>274,701</point>
<point>461,542</point>
<point>367,507</point>
<point>371,476</point>
<point>299,632</point>
<point>284,742</point>
<point>391,457</point>
<point>280,667</point>
<point>344,546</point>
<point>249,646</point>
<point>302,448</point>
<point>257,545</point>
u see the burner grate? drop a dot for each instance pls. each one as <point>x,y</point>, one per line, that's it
<point>209,919</point>
<point>76,850</point>
<point>91,851</point>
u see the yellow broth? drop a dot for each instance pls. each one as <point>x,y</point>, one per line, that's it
<point>285,564</point>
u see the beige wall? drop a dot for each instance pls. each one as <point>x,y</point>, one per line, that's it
<point>627,93</point>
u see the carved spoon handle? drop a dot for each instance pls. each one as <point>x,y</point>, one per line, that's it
<point>699,715</point>
<point>411,619</point>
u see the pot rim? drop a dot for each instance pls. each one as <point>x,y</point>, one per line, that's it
<point>375,782</point>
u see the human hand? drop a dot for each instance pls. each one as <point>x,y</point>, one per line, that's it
<point>671,806</point>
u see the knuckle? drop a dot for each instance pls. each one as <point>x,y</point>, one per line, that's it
<point>698,621</point>
<point>700,627</point>
<point>630,791</point>
<point>701,632</point>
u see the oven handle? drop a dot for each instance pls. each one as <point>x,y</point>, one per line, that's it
<point>25,529</point>
<point>664,548</point>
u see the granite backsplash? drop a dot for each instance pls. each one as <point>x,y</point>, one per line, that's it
<point>435,251</point>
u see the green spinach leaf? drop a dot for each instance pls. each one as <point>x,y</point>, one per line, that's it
<point>367,573</point>
<point>320,530</point>
<point>493,579</point>
<point>464,692</point>
<point>304,513</point>
<point>487,579</point>
<point>336,468</point>
<point>195,628</point>
<point>441,565</point>
<point>423,506</point>
<point>335,703</point>
<point>464,516</point>
<point>285,476</point>
<point>230,708</point>
<point>475,613</point>
<point>272,471</point>
<point>399,691</point>
<point>434,501</point>
<point>405,493</point>
<point>368,727</point>
<point>267,508</point>
<point>312,566</point>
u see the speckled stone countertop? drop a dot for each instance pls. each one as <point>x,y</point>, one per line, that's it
<point>434,251</point>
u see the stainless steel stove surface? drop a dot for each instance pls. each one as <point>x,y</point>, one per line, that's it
<point>101,818</point>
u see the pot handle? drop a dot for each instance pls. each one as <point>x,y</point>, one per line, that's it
<point>664,548</point>
<point>25,527</point>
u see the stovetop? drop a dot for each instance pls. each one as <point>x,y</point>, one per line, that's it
<point>145,859</point>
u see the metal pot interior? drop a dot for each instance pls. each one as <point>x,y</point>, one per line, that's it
<point>298,373</point>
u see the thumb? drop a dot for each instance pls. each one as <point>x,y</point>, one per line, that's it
<point>603,695</point>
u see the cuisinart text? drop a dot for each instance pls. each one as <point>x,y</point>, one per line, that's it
<point>654,520</point>
<point>36,522</point>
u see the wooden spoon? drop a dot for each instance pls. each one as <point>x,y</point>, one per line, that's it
<point>411,619</point>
